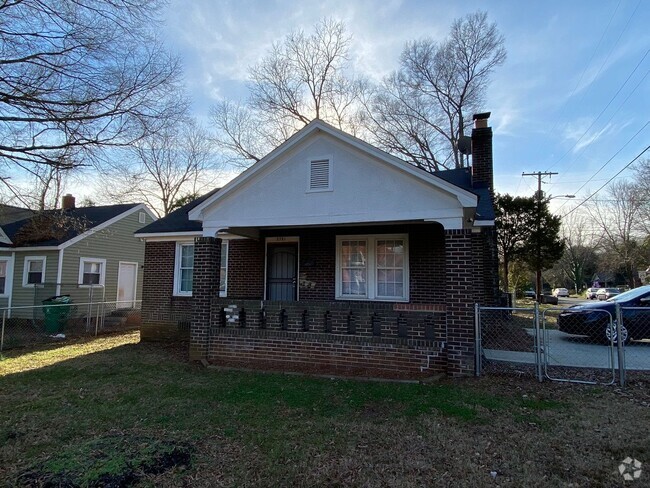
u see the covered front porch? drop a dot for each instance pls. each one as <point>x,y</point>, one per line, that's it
<point>387,299</point>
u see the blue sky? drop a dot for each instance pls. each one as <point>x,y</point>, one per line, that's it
<point>574,89</point>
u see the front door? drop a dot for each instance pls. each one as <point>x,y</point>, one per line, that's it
<point>281,272</point>
<point>126,282</point>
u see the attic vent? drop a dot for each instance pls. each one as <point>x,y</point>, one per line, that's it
<point>319,177</point>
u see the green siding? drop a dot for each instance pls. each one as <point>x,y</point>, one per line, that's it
<point>114,243</point>
<point>31,295</point>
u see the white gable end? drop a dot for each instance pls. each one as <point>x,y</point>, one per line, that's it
<point>322,181</point>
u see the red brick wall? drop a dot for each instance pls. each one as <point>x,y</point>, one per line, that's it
<point>362,338</point>
<point>316,353</point>
<point>482,172</point>
<point>317,264</point>
<point>164,316</point>
<point>246,268</point>
<point>205,286</point>
<point>427,264</point>
<point>461,279</point>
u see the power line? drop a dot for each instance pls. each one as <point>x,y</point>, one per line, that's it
<point>608,181</point>
<point>610,160</point>
<point>607,106</point>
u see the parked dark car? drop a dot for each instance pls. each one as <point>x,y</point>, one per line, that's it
<point>530,294</point>
<point>593,319</point>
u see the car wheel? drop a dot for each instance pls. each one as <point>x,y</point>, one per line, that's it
<point>611,333</point>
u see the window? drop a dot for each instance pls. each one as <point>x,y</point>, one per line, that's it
<point>372,267</point>
<point>223,270</point>
<point>4,269</point>
<point>319,174</point>
<point>142,218</point>
<point>184,272</point>
<point>184,269</point>
<point>34,272</point>
<point>92,271</point>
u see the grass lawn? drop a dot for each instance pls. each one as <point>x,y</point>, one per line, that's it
<point>114,412</point>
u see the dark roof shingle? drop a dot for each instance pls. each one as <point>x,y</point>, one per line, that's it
<point>90,216</point>
<point>177,220</point>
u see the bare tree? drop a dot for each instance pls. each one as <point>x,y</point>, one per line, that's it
<point>579,259</point>
<point>38,186</point>
<point>642,184</point>
<point>301,78</point>
<point>620,221</point>
<point>163,168</point>
<point>420,111</point>
<point>79,76</point>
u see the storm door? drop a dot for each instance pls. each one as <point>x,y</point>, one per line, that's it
<point>281,272</point>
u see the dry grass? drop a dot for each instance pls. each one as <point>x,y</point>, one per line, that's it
<point>110,412</point>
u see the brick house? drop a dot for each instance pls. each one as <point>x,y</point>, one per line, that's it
<point>329,255</point>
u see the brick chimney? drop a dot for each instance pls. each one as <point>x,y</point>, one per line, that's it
<point>482,167</point>
<point>67,202</point>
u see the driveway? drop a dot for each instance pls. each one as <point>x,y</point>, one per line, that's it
<point>568,350</point>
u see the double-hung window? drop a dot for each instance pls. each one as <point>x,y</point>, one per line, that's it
<point>372,267</point>
<point>4,270</point>
<point>92,271</point>
<point>34,271</point>
<point>223,270</point>
<point>184,272</point>
<point>184,268</point>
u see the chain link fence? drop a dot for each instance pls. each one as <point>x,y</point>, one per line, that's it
<point>508,341</point>
<point>592,346</point>
<point>58,319</point>
<point>635,329</point>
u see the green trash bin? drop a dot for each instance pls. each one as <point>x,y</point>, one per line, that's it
<point>56,313</point>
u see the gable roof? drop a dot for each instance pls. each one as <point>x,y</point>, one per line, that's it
<point>467,198</point>
<point>11,213</point>
<point>177,221</point>
<point>93,217</point>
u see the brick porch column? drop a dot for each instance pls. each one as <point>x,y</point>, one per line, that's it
<point>205,286</point>
<point>460,302</point>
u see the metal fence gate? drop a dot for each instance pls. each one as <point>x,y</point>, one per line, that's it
<point>557,345</point>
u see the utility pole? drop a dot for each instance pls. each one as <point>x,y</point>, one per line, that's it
<point>538,244</point>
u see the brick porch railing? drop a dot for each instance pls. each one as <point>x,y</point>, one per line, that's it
<point>375,339</point>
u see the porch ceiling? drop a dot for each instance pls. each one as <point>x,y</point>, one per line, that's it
<point>254,232</point>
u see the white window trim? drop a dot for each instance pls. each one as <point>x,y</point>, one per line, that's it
<point>102,271</point>
<point>330,161</point>
<point>9,277</point>
<point>142,218</point>
<point>177,269</point>
<point>224,293</point>
<point>371,264</point>
<point>29,259</point>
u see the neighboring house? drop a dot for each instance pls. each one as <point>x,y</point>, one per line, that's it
<point>9,214</point>
<point>330,255</point>
<point>87,253</point>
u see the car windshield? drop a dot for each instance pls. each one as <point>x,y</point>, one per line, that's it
<point>631,294</point>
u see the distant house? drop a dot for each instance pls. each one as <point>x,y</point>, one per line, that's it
<point>330,255</point>
<point>87,253</point>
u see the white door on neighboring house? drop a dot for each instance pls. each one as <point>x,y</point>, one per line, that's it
<point>126,282</point>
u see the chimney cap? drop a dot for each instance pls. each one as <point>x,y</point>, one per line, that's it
<point>481,116</point>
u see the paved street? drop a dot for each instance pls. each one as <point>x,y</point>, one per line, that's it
<point>567,350</point>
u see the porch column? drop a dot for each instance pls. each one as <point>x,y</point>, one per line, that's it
<point>460,302</point>
<point>205,286</point>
